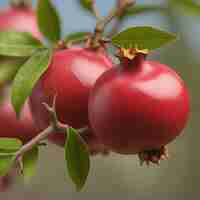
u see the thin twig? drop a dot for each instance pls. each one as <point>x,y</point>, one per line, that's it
<point>115,28</point>
<point>122,5</point>
<point>95,10</point>
<point>100,26</point>
<point>103,22</point>
<point>36,140</point>
<point>54,128</point>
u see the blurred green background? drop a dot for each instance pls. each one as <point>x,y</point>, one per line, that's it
<point>121,177</point>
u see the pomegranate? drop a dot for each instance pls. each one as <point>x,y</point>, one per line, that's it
<point>70,76</point>
<point>18,18</point>
<point>21,19</point>
<point>138,107</point>
<point>11,127</point>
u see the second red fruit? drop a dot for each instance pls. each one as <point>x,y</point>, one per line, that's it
<point>70,76</point>
<point>138,106</point>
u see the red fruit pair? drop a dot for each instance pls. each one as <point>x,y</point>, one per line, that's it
<point>135,107</point>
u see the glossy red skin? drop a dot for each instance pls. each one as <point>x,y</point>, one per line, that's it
<point>22,19</point>
<point>70,76</point>
<point>11,127</point>
<point>140,106</point>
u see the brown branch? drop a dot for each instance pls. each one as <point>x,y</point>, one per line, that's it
<point>102,23</point>
<point>36,140</point>
<point>54,128</point>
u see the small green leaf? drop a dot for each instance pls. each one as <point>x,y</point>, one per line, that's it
<point>27,76</point>
<point>76,37</point>
<point>8,68</point>
<point>141,9</point>
<point>86,5</point>
<point>48,20</point>
<point>20,44</point>
<point>30,160</point>
<point>77,157</point>
<point>142,37</point>
<point>188,6</point>
<point>10,144</point>
<point>6,163</point>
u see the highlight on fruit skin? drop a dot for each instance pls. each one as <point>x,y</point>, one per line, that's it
<point>70,76</point>
<point>139,107</point>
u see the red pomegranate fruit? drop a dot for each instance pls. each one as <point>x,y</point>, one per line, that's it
<point>138,107</point>
<point>11,127</point>
<point>70,76</point>
<point>19,18</point>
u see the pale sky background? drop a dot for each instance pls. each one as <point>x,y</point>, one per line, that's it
<point>75,19</point>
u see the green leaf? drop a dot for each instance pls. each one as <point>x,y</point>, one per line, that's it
<point>48,20</point>
<point>86,5</point>
<point>10,144</point>
<point>6,163</point>
<point>27,76</point>
<point>142,37</point>
<point>141,9</point>
<point>20,44</point>
<point>8,68</point>
<point>188,6</point>
<point>76,37</point>
<point>77,157</point>
<point>30,160</point>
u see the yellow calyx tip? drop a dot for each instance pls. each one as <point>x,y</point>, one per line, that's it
<point>132,52</point>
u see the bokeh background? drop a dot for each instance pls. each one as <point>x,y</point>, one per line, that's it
<point>121,177</point>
